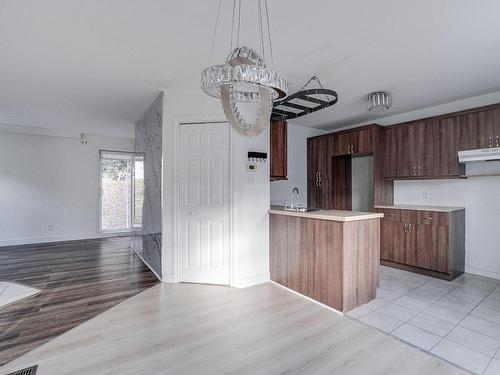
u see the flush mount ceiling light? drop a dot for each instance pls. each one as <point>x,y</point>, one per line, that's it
<point>244,77</point>
<point>379,101</point>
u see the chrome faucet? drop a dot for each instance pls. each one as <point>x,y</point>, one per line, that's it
<point>294,205</point>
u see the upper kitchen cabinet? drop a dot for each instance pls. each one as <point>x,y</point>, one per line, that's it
<point>422,149</point>
<point>480,129</point>
<point>447,153</point>
<point>356,142</point>
<point>318,176</point>
<point>390,150</point>
<point>278,144</point>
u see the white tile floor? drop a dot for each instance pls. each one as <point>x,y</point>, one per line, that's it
<point>458,321</point>
<point>13,292</point>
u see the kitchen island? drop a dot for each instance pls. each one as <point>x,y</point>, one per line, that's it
<point>330,256</point>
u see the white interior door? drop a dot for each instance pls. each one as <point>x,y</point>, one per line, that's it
<point>204,203</point>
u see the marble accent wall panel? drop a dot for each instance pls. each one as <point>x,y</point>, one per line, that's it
<point>148,141</point>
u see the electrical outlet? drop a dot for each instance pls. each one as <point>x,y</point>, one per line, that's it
<point>425,194</point>
<point>50,228</point>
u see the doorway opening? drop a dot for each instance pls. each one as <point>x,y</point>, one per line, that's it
<point>121,191</point>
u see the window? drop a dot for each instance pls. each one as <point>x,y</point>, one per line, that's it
<point>121,191</point>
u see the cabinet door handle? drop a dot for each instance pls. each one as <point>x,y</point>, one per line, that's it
<point>490,142</point>
<point>497,140</point>
<point>405,227</point>
<point>409,227</point>
<point>419,171</point>
<point>414,171</point>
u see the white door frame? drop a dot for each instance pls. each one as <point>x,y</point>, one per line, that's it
<point>178,122</point>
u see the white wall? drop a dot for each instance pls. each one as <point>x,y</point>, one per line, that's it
<point>250,192</point>
<point>50,180</point>
<point>481,198</point>
<point>297,166</point>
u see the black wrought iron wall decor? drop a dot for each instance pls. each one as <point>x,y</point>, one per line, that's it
<point>303,102</point>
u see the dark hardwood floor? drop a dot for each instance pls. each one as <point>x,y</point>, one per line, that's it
<point>78,279</point>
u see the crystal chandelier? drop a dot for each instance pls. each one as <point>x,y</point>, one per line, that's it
<point>245,78</point>
<point>379,101</point>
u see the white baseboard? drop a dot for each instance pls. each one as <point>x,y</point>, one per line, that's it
<point>170,279</point>
<point>59,238</point>
<point>481,272</point>
<point>252,280</point>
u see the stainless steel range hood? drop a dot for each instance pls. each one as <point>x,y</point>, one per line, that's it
<point>483,154</point>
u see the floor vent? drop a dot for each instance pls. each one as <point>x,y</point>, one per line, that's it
<point>27,371</point>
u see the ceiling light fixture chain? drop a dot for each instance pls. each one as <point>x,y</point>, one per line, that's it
<point>215,33</point>
<point>315,78</point>
<point>261,32</point>
<point>232,26</point>
<point>239,23</point>
<point>269,34</point>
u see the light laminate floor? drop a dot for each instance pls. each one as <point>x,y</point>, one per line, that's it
<point>458,321</point>
<point>202,329</point>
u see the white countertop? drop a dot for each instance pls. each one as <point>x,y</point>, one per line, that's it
<point>421,208</point>
<point>333,215</point>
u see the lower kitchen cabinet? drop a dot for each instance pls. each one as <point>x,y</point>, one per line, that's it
<point>428,242</point>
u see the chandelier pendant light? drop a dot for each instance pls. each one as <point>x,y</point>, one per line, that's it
<point>245,78</point>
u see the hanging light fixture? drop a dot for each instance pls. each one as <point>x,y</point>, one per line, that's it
<point>245,78</point>
<point>379,101</point>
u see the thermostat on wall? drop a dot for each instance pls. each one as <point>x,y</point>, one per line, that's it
<point>251,167</point>
<point>257,156</point>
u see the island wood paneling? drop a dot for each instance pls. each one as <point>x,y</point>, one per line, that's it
<point>361,260</point>
<point>335,263</point>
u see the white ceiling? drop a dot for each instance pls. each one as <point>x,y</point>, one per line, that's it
<point>95,65</point>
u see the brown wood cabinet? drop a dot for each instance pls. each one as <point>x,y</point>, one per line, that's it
<point>278,150</point>
<point>422,149</point>
<point>428,242</point>
<point>390,149</point>
<point>352,143</point>
<point>329,166</point>
<point>479,130</point>
<point>333,262</point>
<point>318,175</point>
